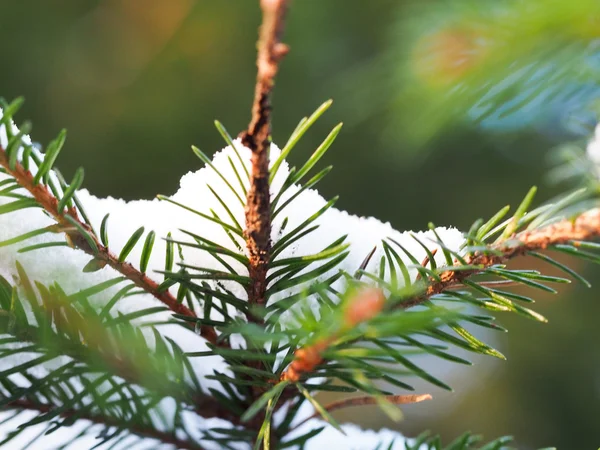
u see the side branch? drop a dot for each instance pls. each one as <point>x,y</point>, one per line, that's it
<point>369,302</point>
<point>586,226</point>
<point>139,430</point>
<point>257,139</point>
<point>46,200</point>
<point>363,306</point>
<point>92,351</point>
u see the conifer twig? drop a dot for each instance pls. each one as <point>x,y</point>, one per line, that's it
<point>86,340</point>
<point>257,139</point>
<point>369,302</point>
<point>49,202</point>
<point>139,430</point>
<point>366,304</point>
<point>585,226</point>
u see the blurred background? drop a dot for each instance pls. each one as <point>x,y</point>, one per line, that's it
<point>451,111</point>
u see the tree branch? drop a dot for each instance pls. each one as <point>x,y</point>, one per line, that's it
<point>139,430</point>
<point>50,203</point>
<point>369,303</point>
<point>101,351</point>
<point>363,306</point>
<point>257,139</point>
<point>586,226</point>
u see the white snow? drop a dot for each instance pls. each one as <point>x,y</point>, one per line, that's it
<point>64,265</point>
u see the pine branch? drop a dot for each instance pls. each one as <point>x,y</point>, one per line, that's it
<point>257,139</point>
<point>369,303</point>
<point>67,219</point>
<point>139,430</point>
<point>363,306</point>
<point>586,226</point>
<point>61,330</point>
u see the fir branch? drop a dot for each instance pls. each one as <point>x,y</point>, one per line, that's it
<point>586,226</point>
<point>62,330</point>
<point>80,235</point>
<point>257,139</point>
<point>368,304</point>
<point>362,307</point>
<point>137,429</point>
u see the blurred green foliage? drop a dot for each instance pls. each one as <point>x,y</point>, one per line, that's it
<point>137,82</point>
<point>504,65</point>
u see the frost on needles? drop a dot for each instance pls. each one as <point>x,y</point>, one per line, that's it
<point>127,323</point>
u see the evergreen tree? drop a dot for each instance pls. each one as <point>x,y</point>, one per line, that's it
<point>212,318</point>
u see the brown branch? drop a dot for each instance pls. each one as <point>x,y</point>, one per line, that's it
<point>49,202</point>
<point>367,401</point>
<point>366,304</point>
<point>585,226</point>
<point>86,340</point>
<point>165,438</point>
<point>257,139</point>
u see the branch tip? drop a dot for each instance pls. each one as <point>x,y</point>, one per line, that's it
<point>586,226</point>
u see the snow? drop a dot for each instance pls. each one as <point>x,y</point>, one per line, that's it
<point>64,265</point>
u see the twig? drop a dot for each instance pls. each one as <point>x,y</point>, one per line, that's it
<point>50,203</point>
<point>165,438</point>
<point>87,341</point>
<point>366,401</point>
<point>584,227</point>
<point>366,304</point>
<point>257,139</point>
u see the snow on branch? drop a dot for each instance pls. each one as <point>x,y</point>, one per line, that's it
<point>82,236</point>
<point>584,227</point>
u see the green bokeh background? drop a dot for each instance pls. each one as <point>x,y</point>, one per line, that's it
<point>136,82</point>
